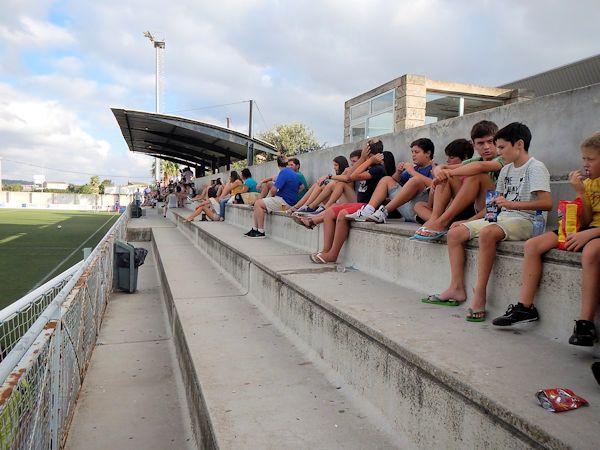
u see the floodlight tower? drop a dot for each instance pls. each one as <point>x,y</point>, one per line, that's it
<point>158,46</point>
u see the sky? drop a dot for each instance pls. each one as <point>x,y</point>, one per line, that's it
<point>65,63</point>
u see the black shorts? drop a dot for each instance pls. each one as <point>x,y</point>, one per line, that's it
<point>466,213</point>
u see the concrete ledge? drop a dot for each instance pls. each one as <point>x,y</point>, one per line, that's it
<point>385,251</point>
<point>248,387</point>
<point>435,377</point>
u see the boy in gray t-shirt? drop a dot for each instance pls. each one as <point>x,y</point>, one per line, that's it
<point>524,187</point>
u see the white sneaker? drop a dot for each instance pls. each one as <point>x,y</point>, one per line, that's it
<point>379,216</point>
<point>358,216</point>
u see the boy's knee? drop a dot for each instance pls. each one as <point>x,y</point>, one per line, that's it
<point>342,215</point>
<point>490,235</point>
<point>591,253</point>
<point>457,235</point>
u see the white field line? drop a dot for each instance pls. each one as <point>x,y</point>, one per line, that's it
<point>71,254</point>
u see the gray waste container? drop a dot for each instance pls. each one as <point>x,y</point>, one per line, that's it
<point>127,260</point>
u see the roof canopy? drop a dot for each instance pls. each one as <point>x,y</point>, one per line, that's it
<point>185,141</point>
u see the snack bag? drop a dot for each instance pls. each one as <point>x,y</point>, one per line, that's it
<point>569,220</point>
<point>492,210</point>
<point>559,399</point>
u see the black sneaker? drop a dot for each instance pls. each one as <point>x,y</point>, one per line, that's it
<point>518,313</point>
<point>250,233</point>
<point>584,333</point>
<point>256,235</point>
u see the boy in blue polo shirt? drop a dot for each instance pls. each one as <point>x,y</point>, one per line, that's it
<point>283,194</point>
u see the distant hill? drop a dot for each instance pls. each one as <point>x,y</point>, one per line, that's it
<point>16,182</point>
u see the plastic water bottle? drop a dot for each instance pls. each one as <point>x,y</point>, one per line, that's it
<point>539,224</point>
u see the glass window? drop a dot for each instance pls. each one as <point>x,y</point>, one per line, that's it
<point>382,102</point>
<point>440,107</point>
<point>380,124</point>
<point>358,132</point>
<point>479,104</point>
<point>360,110</point>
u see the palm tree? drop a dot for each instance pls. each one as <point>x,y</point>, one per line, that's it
<point>167,168</point>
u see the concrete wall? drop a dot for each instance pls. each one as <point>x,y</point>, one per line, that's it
<point>63,200</point>
<point>558,122</point>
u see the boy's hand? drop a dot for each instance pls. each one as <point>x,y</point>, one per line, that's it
<point>365,152</point>
<point>400,167</point>
<point>410,169</point>
<point>503,203</point>
<point>576,180</point>
<point>376,159</point>
<point>457,223</point>
<point>576,241</point>
<point>443,175</point>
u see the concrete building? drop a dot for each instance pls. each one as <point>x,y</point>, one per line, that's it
<point>413,100</point>
<point>58,185</point>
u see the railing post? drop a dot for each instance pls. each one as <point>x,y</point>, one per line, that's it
<point>55,385</point>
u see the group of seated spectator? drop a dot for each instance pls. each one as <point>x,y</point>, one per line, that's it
<point>449,200</point>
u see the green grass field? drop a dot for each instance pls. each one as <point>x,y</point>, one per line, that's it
<point>33,249</point>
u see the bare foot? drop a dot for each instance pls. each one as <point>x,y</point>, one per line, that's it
<point>434,226</point>
<point>326,257</point>
<point>455,294</point>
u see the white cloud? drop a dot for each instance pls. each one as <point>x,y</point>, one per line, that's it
<point>32,32</point>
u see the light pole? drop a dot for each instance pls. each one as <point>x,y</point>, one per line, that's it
<point>158,45</point>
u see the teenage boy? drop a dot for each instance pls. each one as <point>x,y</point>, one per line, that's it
<point>405,187</point>
<point>471,179</point>
<point>524,187</point>
<point>587,187</point>
<point>440,196</point>
<point>368,171</point>
<point>294,163</point>
<point>283,193</point>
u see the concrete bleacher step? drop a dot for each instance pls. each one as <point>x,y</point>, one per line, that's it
<point>386,252</point>
<point>438,380</point>
<point>248,386</point>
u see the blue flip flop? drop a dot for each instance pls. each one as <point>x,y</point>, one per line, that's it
<point>436,236</point>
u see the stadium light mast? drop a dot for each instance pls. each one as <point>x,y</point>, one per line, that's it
<point>158,46</point>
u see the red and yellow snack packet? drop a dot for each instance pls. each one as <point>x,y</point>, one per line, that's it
<point>569,220</point>
<point>559,399</point>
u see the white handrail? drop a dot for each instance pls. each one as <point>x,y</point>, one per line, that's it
<point>33,295</point>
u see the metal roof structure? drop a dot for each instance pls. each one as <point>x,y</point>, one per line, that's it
<point>185,141</point>
<point>570,76</point>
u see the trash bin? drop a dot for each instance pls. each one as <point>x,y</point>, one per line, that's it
<point>127,260</point>
<point>136,211</point>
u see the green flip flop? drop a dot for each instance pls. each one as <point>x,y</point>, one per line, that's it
<point>434,299</point>
<point>475,316</point>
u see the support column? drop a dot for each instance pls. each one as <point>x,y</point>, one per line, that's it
<point>410,102</point>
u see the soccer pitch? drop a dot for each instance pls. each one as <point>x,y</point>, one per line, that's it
<point>37,245</point>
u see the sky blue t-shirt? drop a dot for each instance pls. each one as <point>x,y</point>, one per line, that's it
<point>287,185</point>
<point>425,171</point>
<point>251,183</point>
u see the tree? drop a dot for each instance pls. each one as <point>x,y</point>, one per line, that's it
<point>167,168</point>
<point>13,187</point>
<point>105,183</point>
<point>94,184</point>
<point>291,139</point>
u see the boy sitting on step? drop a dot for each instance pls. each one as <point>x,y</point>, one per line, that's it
<point>469,182</point>
<point>523,187</point>
<point>587,187</point>
<point>442,194</point>
<point>405,187</point>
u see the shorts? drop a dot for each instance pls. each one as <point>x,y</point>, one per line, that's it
<point>275,203</point>
<point>515,228</point>
<point>350,208</point>
<point>407,210</point>
<point>466,213</point>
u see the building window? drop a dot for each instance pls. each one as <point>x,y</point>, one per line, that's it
<point>443,106</point>
<point>373,117</point>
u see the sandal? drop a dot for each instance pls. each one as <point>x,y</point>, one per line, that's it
<point>299,220</point>
<point>475,316</point>
<point>434,299</point>
<point>318,259</point>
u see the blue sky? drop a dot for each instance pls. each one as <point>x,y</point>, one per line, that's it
<point>63,64</point>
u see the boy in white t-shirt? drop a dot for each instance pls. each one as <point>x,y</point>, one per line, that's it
<point>524,188</point>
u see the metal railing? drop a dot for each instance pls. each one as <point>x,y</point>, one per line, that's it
<point>50,335</point>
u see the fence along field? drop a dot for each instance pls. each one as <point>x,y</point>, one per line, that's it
<point>36,245</point>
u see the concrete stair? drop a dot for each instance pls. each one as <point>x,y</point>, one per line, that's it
<point>436,380</point>
<point>248,386</point>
